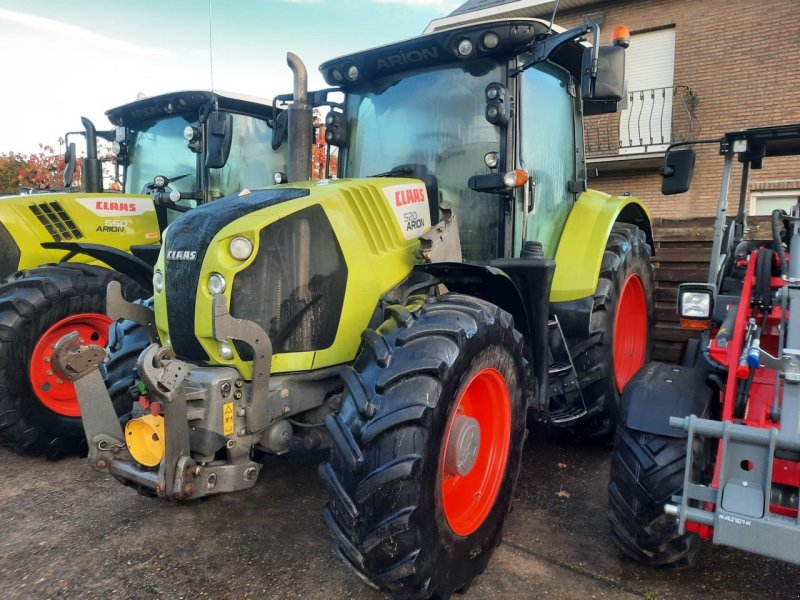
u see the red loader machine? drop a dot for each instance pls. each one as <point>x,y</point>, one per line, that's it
<point>710,449</point>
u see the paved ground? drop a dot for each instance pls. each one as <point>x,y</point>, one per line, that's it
<point>68,532</point>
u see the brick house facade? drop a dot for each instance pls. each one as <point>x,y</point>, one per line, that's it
<point>736,65</point>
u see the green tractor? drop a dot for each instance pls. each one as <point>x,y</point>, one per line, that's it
<point>409,315</point>
<point>58,252</point>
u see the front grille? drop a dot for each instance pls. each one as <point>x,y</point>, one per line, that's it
<point>56,221</point>
<point>295,287</point>
<point>193,232</point>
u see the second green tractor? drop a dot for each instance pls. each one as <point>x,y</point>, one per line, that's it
<point>409,315</point>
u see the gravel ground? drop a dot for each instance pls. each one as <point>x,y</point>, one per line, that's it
<point>69,532</point>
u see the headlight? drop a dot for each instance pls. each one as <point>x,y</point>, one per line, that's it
<point>216,284</point>
<point>240,248</point>
<point>226,351</point>
<point>158,281</point>
<point>696,305</point>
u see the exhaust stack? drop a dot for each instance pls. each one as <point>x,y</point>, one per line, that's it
<point>92,168</point>
<point>300,124</point>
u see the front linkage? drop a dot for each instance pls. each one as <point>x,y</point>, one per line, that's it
<point>209,412</point>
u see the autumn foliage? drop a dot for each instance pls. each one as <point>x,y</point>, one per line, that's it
<point>42,170</point>
<point>319,150</point>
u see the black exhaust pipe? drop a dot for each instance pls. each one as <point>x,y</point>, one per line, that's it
<point>300,124</point>
<point>92,177</point>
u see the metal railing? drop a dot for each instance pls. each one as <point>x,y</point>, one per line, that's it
<point>652,119</point>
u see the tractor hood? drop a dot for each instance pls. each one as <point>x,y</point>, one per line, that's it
<point>289,258</point>
<point>116,220</point>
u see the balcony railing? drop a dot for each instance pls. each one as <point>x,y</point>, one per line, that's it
<point>653,119</point>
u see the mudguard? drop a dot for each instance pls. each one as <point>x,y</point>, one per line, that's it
<point>122,262</point>
<point>659,391</point>
<point>583,241</point>
<point>518,286</point>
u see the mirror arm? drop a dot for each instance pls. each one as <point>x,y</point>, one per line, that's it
<point>544,48</point>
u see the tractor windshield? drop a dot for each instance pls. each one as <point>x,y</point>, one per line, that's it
<point>434,118</point>
<point>160,149</point>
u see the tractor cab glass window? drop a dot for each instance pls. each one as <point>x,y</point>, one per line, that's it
<point>434,118</point>
<point>161,149</point>
<point>251,163</point>
<point>548,153</point>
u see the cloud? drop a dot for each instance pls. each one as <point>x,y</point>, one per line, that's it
<point>65,30</point>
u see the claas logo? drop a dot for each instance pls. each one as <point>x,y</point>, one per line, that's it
<point>409,196</point>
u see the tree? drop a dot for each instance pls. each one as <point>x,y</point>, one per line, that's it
<point>10,166</point>
<point>42,170</point>
<point>319,151</point>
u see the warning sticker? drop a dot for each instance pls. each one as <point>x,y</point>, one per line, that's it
<point>227,418</point>
<point>409,202</point>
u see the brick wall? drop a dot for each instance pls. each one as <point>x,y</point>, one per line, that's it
<point>742,60</point>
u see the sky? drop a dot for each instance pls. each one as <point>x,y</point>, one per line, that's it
<point>63,60</point>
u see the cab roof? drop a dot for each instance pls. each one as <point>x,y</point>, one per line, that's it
<point>188,102</point>
<point>441,47</point>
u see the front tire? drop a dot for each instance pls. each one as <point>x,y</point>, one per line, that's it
<point>39,413</point>
<point>427,446</point>
<point>646,471</point>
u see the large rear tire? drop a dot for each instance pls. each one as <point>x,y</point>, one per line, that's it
<point>646,471</point>
<point>620,332</point>
<point>39,413</point>
<point>427,447</point>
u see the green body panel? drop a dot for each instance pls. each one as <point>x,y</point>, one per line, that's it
<point>116,220</point>
<point>377,252</point>
<point>583,241</point>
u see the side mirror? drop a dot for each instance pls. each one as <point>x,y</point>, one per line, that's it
<point>609,85</point>
<point>676,174</point>
<point>218,141</point>
<point>280,128</point>
<point>69,164</point>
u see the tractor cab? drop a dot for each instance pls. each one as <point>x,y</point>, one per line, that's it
<point>186,148</point>
<point>491,111</point>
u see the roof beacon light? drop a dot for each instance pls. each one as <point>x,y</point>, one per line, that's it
<point>621,36</point>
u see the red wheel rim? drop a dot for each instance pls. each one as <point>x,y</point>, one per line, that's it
<point>630,331</point>
<point>58,393</point>
<point>468,497</point>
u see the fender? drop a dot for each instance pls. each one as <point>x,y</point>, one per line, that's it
<point>583,241</point>
<point>517,285</point>
<point>659,391</point>
<point>120,261</point>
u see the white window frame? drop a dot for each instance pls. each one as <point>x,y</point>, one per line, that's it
<point>757,195</point>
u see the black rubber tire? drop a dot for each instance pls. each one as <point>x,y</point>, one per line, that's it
<point>29,304</point>
<point>646,471</point>
<point>627,253</point>
<point>385,512</point>
<point>126,341</point>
